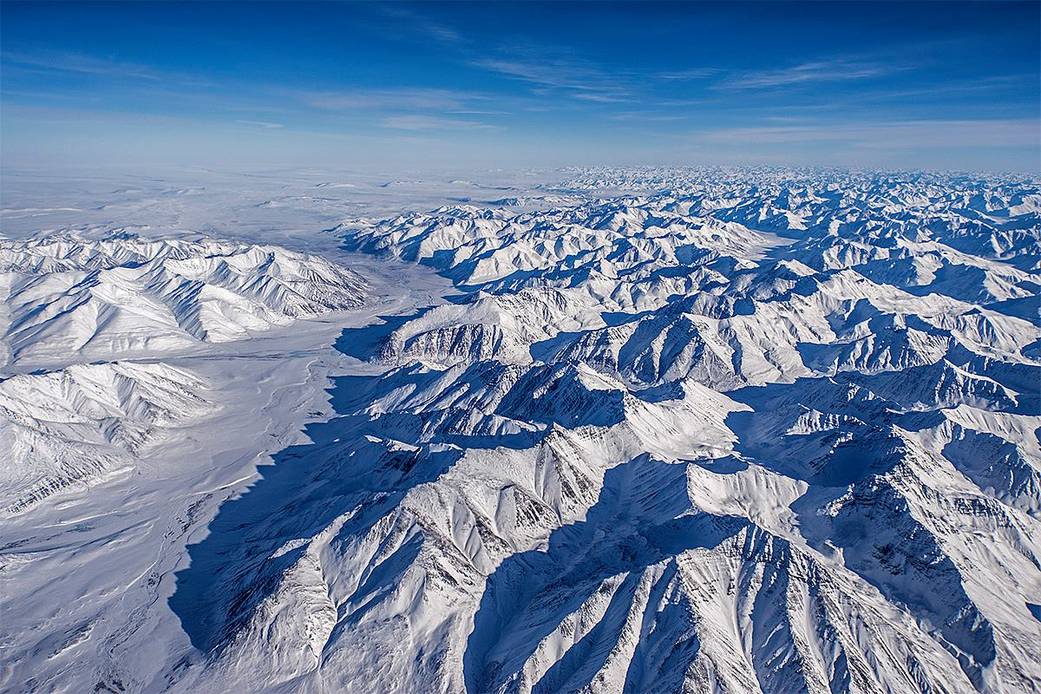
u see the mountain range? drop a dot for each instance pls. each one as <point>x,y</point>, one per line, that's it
<point>695,430</point>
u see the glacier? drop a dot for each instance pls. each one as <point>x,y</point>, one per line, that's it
<point>603,430</point>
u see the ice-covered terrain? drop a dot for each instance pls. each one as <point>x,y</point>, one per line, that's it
<point>125,295</point>
<point>671,430</point>
<point>62,427</point>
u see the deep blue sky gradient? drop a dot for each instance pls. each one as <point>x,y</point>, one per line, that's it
<point>894,85</point>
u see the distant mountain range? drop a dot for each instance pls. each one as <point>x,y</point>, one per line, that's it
<point>717,431</point>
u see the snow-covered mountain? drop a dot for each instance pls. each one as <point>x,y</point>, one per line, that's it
<point>674,430</point>
<point>72,295</point>
<point>64,427</point>
<point>736,431</point>
<point>70,298</point>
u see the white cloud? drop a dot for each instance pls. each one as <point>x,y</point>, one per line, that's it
<point>421,122</point>
<point>578,79</point>
<point>837,70</point>
<point>260,124</point>
<point>407,99</point>
<point>83,64</point>
<point>910,134</point>
<point>694,73</point>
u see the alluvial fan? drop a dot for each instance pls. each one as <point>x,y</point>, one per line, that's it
<point>731,431</point>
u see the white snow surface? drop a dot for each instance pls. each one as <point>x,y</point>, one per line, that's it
<point>123,294</point>
<point>67,426</point>
<point>672,430</point>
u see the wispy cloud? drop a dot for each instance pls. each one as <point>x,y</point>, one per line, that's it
<point>423,24</point>
<point>648,116</point>
<point>689,74</point>
<point>80,63</point>
<point>260,124</point>
<point>993,83</point>
<point>406,99</point>
<point>835,70</point>
<point>422,122</point>
<point>908,134</point>
<point>602,98</point>
<point>575,78</point>
<point>100,67</point>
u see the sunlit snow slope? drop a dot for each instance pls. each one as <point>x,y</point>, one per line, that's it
<point>71,295</point>
<point>81,306</point>
<point>62,427</point>
<point>673,431</point>
<point>732,431</point>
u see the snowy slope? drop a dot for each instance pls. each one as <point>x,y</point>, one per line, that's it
<point>715,431</point>
<point>69,298</point>
<point>736,431</point>
<point>69,426</point>
<point>72,295</point>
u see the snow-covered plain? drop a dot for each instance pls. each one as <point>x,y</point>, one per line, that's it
<point>645,430</point>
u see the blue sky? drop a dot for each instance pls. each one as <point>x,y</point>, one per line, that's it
<point>394,86</point>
